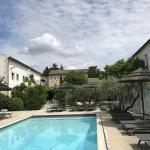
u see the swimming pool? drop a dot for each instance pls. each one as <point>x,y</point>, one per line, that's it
<point>51,133</point>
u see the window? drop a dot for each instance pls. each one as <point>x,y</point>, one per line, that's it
<point>53,78</point>
<point>12,76</point>
<point>17,77</point>
<point>23,78</point>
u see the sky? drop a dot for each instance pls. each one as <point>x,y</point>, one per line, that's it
<point>74,33</point>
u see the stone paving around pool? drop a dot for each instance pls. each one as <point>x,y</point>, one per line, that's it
<point>20,115</point>
<point>116,138</point>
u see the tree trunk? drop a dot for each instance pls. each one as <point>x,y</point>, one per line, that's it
<point>134,100</point>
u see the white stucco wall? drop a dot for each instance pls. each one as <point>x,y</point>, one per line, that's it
<point>147,98</point>
<point>4,66</point>
<point>21,71</point>
<point>145,53</point>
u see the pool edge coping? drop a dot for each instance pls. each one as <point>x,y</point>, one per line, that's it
<point>102,138</point>
<point>105,135</point>
<point>14,122</point>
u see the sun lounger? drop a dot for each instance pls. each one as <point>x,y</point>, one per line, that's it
<point>71,108</point>
<point>119,117</point>
<point>143,138</point>
<point>5,114</point>
<point>128,117</point>
<point>60,108</point>
<point>134,121</point>
<point>57,108</point>
<point>133,128</point>
<point>139,131</point>
<point>89,107</point>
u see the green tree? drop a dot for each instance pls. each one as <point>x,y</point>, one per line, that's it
<point>2,80</point>
<point>110,89</point>
<point>75,78</point>
<point>54,66</point>
<point>59,95</point>
<point>30,80</point>
<point>46,71</point>
<point>122,67</point>
<point>84,95</point>
<point>61,67</point>
<point>93,72</point>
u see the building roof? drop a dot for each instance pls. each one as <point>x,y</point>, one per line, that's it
<point>21,63</point>
<point>63,72</point>
<point>141,48</point>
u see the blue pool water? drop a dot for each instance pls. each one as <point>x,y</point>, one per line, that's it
<point>51,133</point>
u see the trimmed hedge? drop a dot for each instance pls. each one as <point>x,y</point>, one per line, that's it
<point>33,97</point>
<point>4,101</point>
<point>15,104</point>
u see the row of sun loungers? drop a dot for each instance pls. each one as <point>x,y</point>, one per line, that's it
<point>134,126</point>
<point>117,117</point>
<point>55,106</point>
<point>70,108</point>
<point>5,114</point>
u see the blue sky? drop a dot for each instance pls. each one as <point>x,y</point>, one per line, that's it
<point>75,33</point>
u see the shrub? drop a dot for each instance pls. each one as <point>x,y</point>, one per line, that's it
<point>15,104</point>
<point>60,96</point>
<point>50,94</point>
<point>33,97</point>
<point>19,91</point>
<point>70,98</point>
<point>4,100</point>
<point>81,94</point>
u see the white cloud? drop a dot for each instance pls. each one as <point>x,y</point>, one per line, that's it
<point>71,68</point>
<point>80,66</point>
<point>47,43</point>
<point>74,32</point>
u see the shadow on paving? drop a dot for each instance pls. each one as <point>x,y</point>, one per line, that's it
<point>143,147</point>
<point>107,122</point>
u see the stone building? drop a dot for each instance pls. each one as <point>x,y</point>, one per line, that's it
<point>55,76</point>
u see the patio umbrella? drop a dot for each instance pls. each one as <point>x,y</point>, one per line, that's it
<point>139,76</point>
<point>4,87</point>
